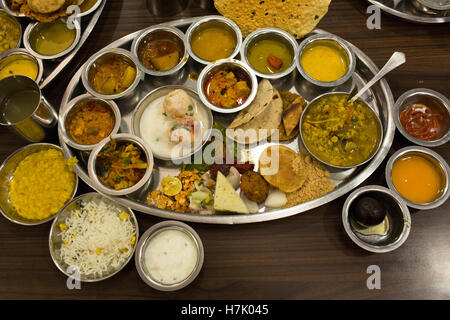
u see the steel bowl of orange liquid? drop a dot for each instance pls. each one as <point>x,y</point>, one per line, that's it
<point>420,176</point>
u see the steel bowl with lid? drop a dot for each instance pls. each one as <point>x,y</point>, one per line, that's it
<point>220,23</point>
<point>10,56</point>
<point>314,146</point>
<point>73,107</point>
<point>137,126</point>
<point>434,159</point>
<point>96,170</point>
<point>239,68</point>
<point>33,32</point>
<point>388,235</point>
<point>334,43</point>
<point>179,265</point>
<point>7,170</point>
<point>437,103</point>
<point>56,240</point>
<point>154,34</point>
<point>96,61</point>
<point>283,38</point>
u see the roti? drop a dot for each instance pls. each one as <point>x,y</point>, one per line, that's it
<point>261,102</point>
<point>298,17</point>
<point>262,126</point>
<point>275,165</point>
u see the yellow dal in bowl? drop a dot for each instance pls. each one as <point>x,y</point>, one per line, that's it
<point>324,62</point>
<point>213,42</point>
<point>19,64</point>
<point>42,184</point>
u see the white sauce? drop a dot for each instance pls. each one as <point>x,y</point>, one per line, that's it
<point>170,257</point>
<point>155,127</point>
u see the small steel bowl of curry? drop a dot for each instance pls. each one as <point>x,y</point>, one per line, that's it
<point>423,117</point>
<point>213,38</point>
<point>111,74</point>
<point>88,6</point>
<point>338,133</point>
<point>160,51</point>
<point>420,176</point>
<point>20,62</point>
<point>87,120</point>
<point>10,31</point>
<point>121,165</point>
<point>7,7</point>
<point>325,60</point>
<point>227,86</point>
<point>51,40</point>
<point>270,52</point>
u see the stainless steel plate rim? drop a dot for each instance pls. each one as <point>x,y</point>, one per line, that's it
<point>32,145</point>
<point>409,16</point>
<point>389,129</point>
<point>367,246</point>
<point>52,251</point>
<point>159,227</point>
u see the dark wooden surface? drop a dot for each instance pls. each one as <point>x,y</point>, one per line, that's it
<point>307,256</point>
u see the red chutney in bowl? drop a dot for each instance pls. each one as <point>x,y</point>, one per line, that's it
<point>422,122</point>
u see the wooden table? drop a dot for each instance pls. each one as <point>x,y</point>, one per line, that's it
<point>307,256</point>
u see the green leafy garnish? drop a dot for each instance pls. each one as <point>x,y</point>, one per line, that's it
<point>190,108</point>
<point>126,160</point>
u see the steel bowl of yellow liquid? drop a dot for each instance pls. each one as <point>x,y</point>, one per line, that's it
<point>325,60</point>
<point>52,40</point>
<point>21,62</point>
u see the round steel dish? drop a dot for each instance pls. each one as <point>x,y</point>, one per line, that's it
<point>398,215</point>
<point>229,64</point>
<point>405,10</point>
<point>55,241</point>
<point>155,94</point>
<point>7,172</point>
<point>270,33</point>
<point>10,53</point>
<point>167,32</point>
<point>29,30</point>
<point>146,238</point>
<point>379,98</point>
<point>433,157</point>
<point>114,109</point>
<point>427,97</point>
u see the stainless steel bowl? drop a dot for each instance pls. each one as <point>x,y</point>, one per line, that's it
<point>440,163</point>
<point>272,34</point>
<point>10,55</point>
<point>430,98</point>
<point>337,43</point>
<point>7,13</point>
<point>208,21</point>
<point>376,115</point>
<point>90,10</point>
<point>10,11</point>
<point>160,92</point>
<point>97,59</point>
<point>397,213</point>
<point>120,138</point>
<point>160,33</point>
<point>71,107</point>
<point>34,27</point>
<point>234,65</point>
<point>146,239</point>
<point>56,241</point>
<point>7,170</point>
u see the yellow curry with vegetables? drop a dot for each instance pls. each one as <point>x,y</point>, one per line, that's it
<point>341,133</point>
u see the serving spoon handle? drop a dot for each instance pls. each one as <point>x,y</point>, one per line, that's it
<point>397,59</point>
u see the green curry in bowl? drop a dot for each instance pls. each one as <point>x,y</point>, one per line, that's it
<point>339,133</point>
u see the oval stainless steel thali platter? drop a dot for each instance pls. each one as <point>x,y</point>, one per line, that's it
<point>379,98</point>
<point>405,10</point>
